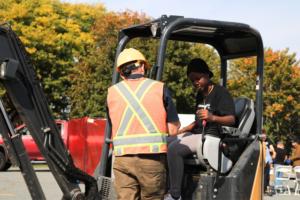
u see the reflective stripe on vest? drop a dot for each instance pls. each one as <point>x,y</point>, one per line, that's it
<point>154,148</point>
<point>134,107</point>
<point>140,139</point>
<point>128,114</point>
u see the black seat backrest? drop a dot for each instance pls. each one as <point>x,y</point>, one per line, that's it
<point>244,115</point>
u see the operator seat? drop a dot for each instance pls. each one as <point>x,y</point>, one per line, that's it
<point>209,149</point>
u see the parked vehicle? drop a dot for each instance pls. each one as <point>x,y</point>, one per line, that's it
<point>31,148</point>
<point>84,137</point>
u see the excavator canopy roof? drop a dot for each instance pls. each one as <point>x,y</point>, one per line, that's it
<point>231,40</point>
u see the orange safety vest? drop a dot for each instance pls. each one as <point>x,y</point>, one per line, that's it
<point>138,117</point>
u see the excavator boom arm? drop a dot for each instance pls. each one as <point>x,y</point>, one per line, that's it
<point>25,91</point>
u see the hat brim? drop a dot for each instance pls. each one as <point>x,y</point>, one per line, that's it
<point>147,65</point>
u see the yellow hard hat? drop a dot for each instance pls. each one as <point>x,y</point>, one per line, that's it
<point>129,55</point>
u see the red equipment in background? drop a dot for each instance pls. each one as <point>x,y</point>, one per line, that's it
<point>83,137</point>
<point>85,142</point>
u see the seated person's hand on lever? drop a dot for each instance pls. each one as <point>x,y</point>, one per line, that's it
<point>222,120</point>
<point>205,115</point>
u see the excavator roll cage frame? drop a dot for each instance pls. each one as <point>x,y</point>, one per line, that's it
<point>231,40</point>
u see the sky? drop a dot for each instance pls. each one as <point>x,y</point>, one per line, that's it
<point>278,21</point>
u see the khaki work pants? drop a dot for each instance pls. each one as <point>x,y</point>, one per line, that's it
<point>140,177</point>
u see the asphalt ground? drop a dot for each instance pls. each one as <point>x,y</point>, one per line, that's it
<point>13,187</point>
<point>281,196</point>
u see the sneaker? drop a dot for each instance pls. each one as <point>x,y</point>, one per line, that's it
<point>269,191</point>
<point>169,197</point>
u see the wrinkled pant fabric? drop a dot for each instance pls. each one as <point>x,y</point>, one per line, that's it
<point>266,175</point>
<point>141,177</point>
<point>179,147</point>
<point>298,177</point>
<point>277,175</point>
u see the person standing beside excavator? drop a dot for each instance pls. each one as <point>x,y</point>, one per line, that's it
<point>296,156</point>
<point>141,113</point>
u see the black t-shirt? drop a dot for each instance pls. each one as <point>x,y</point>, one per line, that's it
<point>268,142</point>
<point>219,103</point>
<point>280,156</point>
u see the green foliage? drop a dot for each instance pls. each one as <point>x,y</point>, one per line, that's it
<point>93,75</point>
<point>53,32</point>
<point>281,90</point>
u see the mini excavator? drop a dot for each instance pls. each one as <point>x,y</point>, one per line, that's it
<point>229,167</point>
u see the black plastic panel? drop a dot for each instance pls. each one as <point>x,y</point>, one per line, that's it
<point>237,185</point>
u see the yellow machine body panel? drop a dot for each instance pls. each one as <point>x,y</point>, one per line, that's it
<point>258,183</point>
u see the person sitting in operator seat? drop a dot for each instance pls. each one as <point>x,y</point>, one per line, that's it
<point>219,111</point>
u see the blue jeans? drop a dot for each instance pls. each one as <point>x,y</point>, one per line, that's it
<point>277,175</point>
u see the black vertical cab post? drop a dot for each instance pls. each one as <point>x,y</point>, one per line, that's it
<point>223,79</point>
<point>231,40</point>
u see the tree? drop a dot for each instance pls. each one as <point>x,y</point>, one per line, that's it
<point>93,75</point>
<point>281,90</point>
<point>53,32</point>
